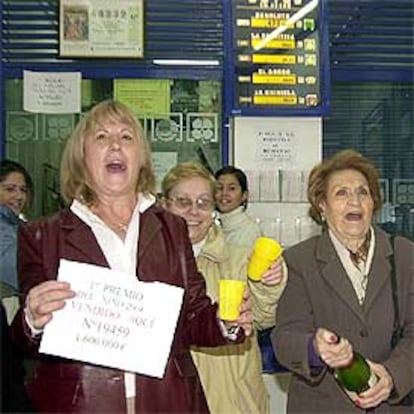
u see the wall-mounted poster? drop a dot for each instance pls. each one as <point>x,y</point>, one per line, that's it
<point>101,28</point>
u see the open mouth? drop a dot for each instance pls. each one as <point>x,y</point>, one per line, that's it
<point>116,166</point>
<point>354,216</point>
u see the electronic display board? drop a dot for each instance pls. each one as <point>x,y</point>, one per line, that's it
<point>276,57</point>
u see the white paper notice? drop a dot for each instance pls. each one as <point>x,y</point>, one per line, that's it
<point>114,321</point>
<point>52,92</point>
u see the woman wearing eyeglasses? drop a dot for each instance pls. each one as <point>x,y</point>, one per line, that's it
<point>231,377</point>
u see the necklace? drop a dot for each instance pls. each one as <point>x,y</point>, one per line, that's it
<point>122,227</point>
<point>361,254</point>
<point>116,225</point>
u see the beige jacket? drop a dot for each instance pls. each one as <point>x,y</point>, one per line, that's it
<point>232,375</point>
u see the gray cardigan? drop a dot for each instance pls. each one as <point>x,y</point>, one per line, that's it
<point>320,294</point>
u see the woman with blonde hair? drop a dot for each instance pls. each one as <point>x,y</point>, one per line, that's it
<point>112,221</point>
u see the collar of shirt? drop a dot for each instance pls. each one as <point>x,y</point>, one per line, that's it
<point>233,219</point>
<point>344,252</point>
<point>120,255</point>
<point>144,202</point>
<point>356,274</point>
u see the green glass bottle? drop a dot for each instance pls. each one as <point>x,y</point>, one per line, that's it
<point>356,377</point>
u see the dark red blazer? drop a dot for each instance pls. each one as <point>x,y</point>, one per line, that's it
<point>164,254</point>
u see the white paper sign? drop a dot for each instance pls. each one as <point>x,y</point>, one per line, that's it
<point>114,321</point>
<point>52,92</point>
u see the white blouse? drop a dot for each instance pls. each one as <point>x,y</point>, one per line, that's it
<point>120,255</point>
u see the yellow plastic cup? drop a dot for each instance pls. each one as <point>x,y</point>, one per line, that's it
<point>230,298</point>
<point>266,251</point>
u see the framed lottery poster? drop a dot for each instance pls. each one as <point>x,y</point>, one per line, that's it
<point>101,28</point>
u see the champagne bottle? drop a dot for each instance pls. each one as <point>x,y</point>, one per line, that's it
<point>356,376</point>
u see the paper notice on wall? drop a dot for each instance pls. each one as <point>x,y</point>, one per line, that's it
<point>52,92</point>
<point>114,320</point>
<point>145,97</point>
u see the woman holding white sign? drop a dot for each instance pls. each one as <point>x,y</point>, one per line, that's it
<point>231,376</point>
<point>112,222</point>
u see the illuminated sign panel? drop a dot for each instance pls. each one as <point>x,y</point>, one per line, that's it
<point>277,59</point>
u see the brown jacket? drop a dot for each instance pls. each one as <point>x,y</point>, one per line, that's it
<point>65,386</point>
<point>319,294</point>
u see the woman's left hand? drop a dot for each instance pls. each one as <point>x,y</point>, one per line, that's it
<point>274,275</point>
<point>380,391</point>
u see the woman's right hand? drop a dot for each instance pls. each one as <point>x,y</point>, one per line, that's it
<point>335,352</point>
<point>44,299</point>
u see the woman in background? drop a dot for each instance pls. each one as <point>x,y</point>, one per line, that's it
<point>231,198</point>
<point>231,377</point>
<point>16,191</point>
<point>340,287</point>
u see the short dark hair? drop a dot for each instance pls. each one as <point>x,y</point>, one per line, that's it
<point>237,172</point>
<point>342,160</point>
<point>241,178</point>
<point>8,166</point>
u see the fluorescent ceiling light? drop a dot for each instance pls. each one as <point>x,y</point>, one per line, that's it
<point>292,20</point>
<point>185,62</point>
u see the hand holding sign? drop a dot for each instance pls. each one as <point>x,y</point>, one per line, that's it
<point>44,299</point>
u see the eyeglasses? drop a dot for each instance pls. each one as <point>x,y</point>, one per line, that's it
<point>184,203</point>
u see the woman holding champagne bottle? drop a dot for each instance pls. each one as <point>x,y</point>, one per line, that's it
<point>336,317</point>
